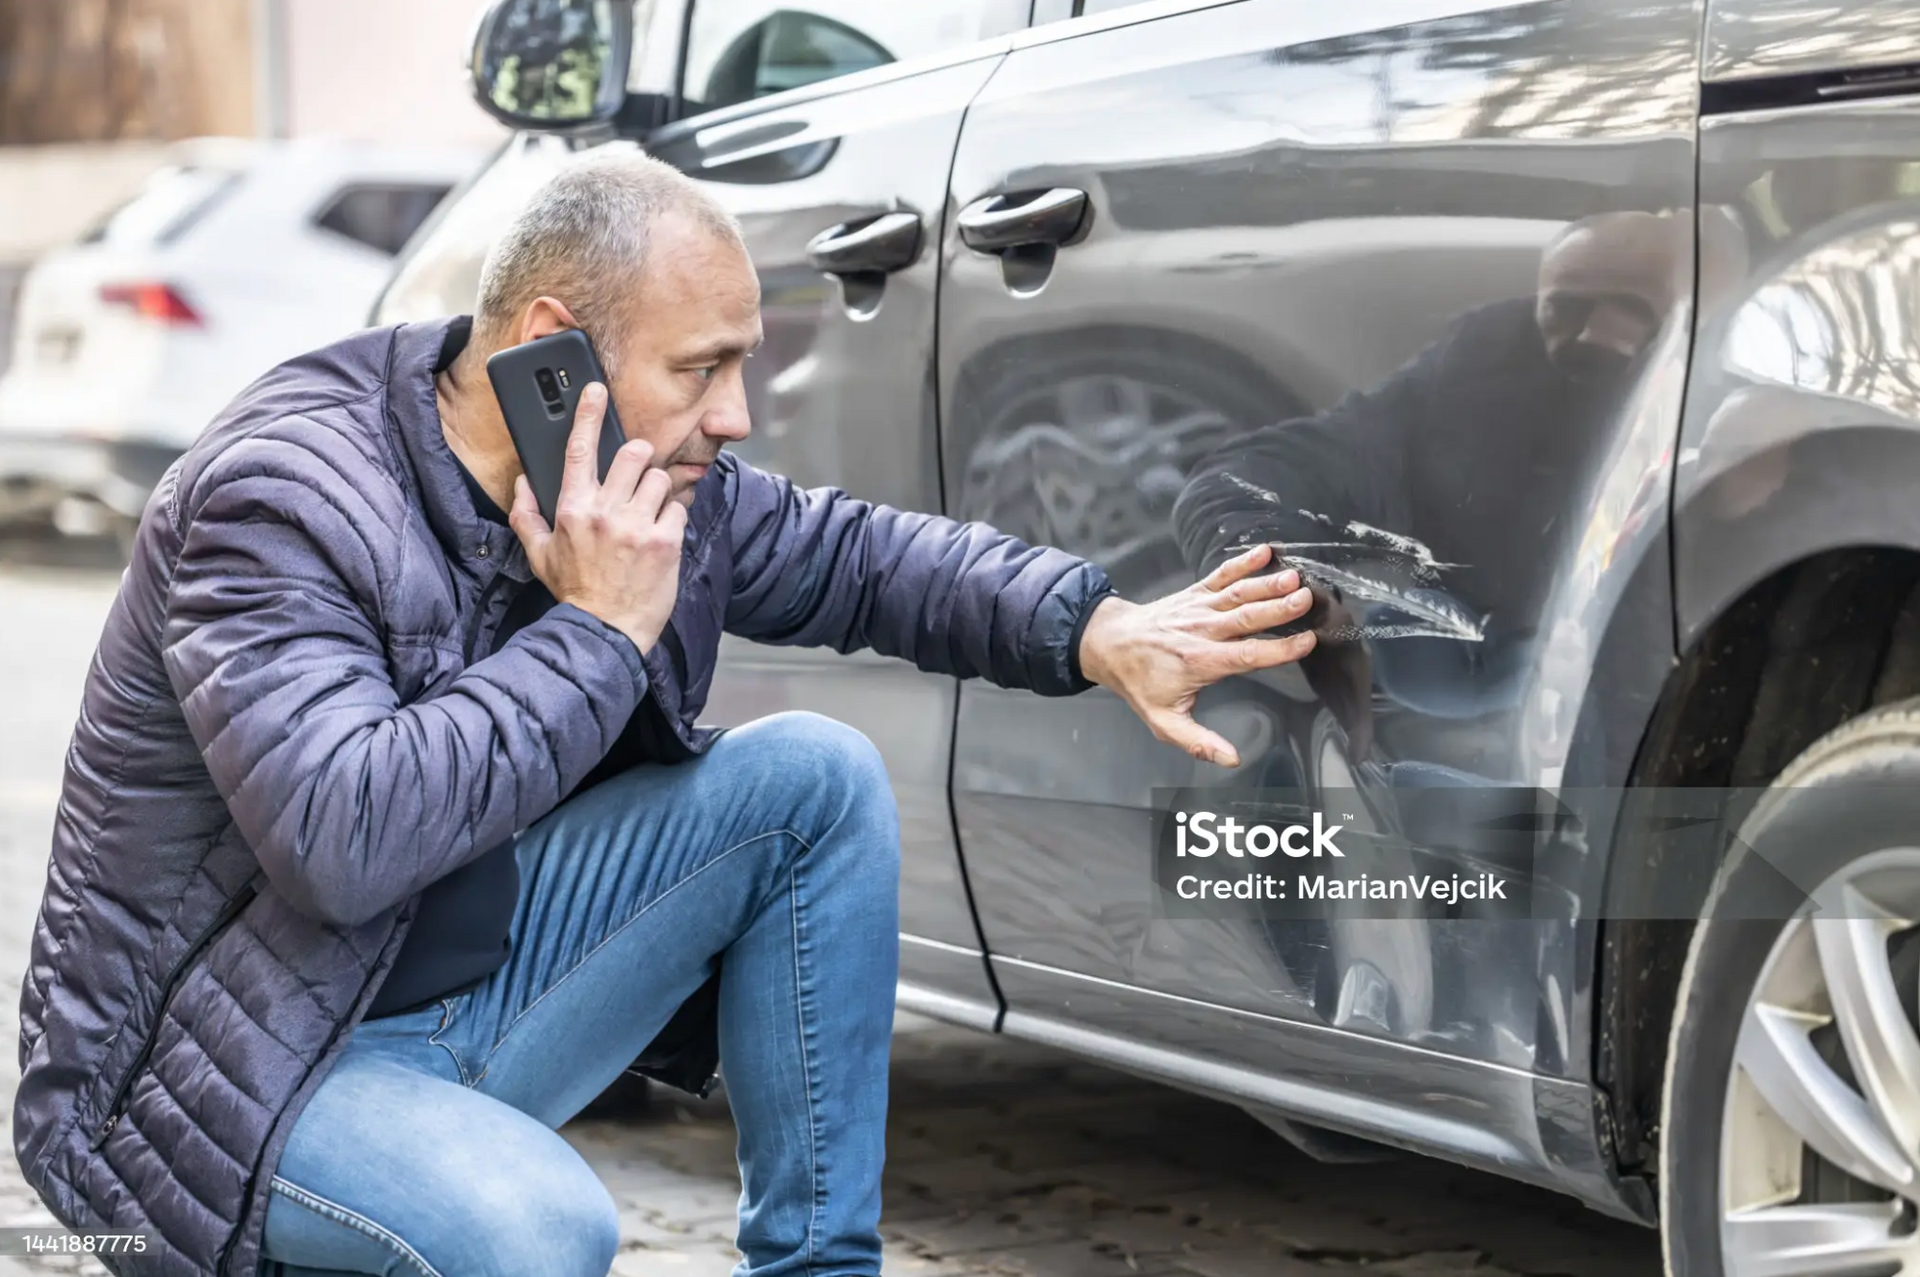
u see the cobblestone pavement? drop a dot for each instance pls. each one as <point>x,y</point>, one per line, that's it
<point>1004,1159</point>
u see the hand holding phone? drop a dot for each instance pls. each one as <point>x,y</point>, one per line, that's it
<point>538,384</point>
<point>613,547</point>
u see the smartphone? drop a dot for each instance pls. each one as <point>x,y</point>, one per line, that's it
<point>538,385</point>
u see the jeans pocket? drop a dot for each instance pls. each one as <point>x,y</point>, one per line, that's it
<point>413,1037</point>
<point>446,1037</point>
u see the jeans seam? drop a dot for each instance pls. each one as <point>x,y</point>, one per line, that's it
<point>353,1219</point>
<point>446,1019</point>
<point>803,992</point>
<point>615,933</point>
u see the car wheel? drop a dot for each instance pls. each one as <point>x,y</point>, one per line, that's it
<point>1791,1114</point>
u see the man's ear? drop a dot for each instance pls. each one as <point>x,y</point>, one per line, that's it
<point>543,317</point>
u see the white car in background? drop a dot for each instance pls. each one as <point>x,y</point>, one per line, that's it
<point>235,255</point>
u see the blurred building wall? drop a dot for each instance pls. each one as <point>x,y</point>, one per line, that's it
<point>382,69</point>
<point>118,70</point>
<point>111,70</point>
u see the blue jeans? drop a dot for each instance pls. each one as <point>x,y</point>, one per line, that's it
<point>430,1148</point>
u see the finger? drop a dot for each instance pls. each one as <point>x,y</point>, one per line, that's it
<point>652,492</point>
<point>581,478</point>
<point>1245,655</point>
<point>1250,589</point>
<point>525,518</point>
<point>1266,614</point>
<point>1240,565</point>
<point>674,520</point>
<point>674,517</point>
<point>1195,740</point>
<point>628,468</point>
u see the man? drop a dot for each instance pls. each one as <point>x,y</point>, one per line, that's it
<point>388,839</point>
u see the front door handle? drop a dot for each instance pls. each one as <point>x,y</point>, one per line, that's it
<point>1000,222</point>
<point>886,243</point>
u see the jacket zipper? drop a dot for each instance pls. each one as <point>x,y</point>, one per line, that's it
<point>480,613</point>
<point>175,975</point>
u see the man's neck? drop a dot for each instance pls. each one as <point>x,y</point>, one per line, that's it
<point>475,430</point>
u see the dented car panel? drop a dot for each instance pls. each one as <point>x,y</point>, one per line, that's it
<point>1474,462</point>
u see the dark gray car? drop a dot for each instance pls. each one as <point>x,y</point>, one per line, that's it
<point>1570,346</point>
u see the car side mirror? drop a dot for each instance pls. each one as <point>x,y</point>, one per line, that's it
<point>552,64</point>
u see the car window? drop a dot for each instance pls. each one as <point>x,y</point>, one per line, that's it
<point>381,215</point>
<point>744,49</point>
<point>171,201</point>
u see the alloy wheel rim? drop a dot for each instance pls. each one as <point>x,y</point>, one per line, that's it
<point>1092,463</point>
<point>1820,1138</point>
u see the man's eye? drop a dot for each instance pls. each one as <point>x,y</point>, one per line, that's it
<point>705,374</point>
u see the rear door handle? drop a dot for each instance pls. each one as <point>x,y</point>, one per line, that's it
<point>1000,222</point>
<point>885,243</point>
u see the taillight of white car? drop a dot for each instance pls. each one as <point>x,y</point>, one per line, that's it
<point>160,302</point>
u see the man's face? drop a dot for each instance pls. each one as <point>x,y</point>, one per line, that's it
<point>1605,290</point>
<point>678,382</point>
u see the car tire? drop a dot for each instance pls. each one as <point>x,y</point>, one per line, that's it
<point>1844,805</point>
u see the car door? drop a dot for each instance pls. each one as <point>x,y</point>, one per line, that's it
<point>1401,285</point>
<point>830,133</point>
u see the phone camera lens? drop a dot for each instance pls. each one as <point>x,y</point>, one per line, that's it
<point>549,391</point>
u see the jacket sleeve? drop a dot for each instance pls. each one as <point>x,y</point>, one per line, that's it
<point>274,645</point>
<point>819,568</point>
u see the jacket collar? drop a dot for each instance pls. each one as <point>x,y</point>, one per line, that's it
<point>419,352</point>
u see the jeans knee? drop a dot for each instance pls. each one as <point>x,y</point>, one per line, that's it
<point>828,757</point>
<point>835,744</point>
<point>834,786</point>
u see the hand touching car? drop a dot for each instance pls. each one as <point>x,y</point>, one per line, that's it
<point>1158,656</point>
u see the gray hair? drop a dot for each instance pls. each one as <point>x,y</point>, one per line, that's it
<point>583,239</point>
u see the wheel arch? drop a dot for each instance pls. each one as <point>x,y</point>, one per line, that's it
<point>1796,583</point>
<point>1812,642</point>
<point>1252,377</point>
<point>1833,476</point>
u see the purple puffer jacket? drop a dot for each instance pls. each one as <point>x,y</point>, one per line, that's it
<point>283,740</point>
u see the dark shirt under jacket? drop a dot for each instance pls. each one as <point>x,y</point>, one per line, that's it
<point>462,932</point>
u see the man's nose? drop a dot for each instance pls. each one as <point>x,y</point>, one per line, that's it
<point>728,418</point>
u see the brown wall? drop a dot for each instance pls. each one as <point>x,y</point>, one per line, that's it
<point>106,70</point>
